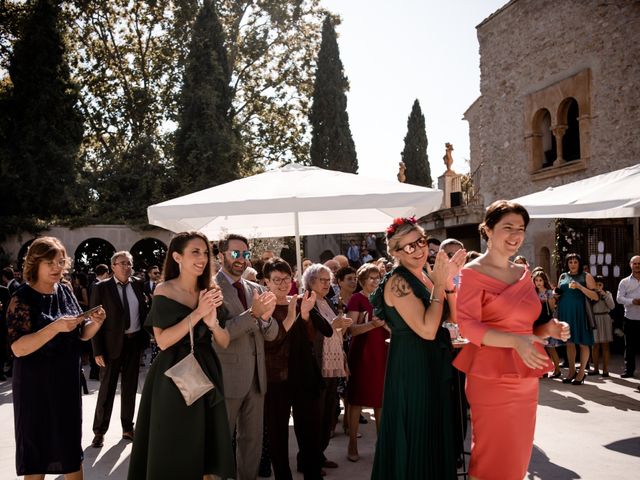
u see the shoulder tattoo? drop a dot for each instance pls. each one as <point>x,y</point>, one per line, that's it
<point>399,286</point>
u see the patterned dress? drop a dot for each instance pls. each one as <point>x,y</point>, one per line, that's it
<point>47,403</point>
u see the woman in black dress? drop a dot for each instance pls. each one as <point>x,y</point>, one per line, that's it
<point>45,330</point>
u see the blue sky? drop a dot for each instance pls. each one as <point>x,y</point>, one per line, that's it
<point>396,51</point>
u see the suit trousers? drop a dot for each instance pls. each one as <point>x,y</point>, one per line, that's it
<point>127,364</point>
<point>246,417</point>
<point>329,406</point>
<point>631,344</point>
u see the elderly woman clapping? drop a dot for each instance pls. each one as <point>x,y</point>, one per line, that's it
<point>328,350</point>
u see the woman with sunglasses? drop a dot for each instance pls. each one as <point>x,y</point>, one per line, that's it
<point>416,434</point>
<point>497,308</point>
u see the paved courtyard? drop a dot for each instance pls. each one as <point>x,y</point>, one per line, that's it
<point>589,432</point>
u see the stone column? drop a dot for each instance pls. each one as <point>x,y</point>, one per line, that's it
<point>558,132</point>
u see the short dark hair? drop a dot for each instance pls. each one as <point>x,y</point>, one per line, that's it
<point>433,240</point>
<point>276,264</point>
<point>571,256</point>
<point>343,272</point>
<point>599,279</point>
<point>499,209</point>
<point>223,245</point>
<point>101,269</point>
<point>7,272</point>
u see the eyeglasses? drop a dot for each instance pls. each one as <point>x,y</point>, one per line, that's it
<point>57,263</point>
<point>235,254</point>
<point>374,279</point>
<point>124,264</point>
<point>409,248</point>
<point>324,280</point>
<point>280,281</point>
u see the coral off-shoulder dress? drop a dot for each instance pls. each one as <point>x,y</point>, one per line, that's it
<point>502,391</point>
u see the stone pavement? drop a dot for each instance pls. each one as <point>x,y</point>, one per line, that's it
<point>589,432</point>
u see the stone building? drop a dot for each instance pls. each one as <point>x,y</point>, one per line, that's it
<point>559,102</point>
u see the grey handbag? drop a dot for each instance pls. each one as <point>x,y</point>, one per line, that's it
<point>189,377</point>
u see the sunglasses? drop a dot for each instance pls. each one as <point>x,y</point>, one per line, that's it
<point>409,248</point>
<point>235,254</point>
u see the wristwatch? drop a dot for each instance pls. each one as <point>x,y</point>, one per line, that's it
<point>450,292</point>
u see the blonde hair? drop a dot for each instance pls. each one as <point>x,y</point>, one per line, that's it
<point>403,230</point>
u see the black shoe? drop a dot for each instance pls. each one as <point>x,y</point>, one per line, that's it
<point>579,382</point>
<point>626,375</point>
<point>362,420</point>
<point>570,379</point>
<point>98,440</point>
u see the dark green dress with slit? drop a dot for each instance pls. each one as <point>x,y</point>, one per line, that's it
<point>173,440</point>
<point>416,434</point>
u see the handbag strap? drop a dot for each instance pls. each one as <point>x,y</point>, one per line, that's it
<point>190,332</point>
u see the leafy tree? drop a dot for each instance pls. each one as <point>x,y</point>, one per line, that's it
<point>414,154</point>
<point>41,126</point>
<point>332,146</point>
<point>208,149</point>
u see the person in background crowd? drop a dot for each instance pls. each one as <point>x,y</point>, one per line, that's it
<point>450,247</point>
<point>371,243</point>
<point>381,264</point>
<point>267,255</point>
<point>367,357</point>
<point>342,261</point>
<point>101,273</point>
<point>9,280</point>
<point>333,267</point>
<point>250,274</point>
<point>248,320</point>
<point>416,433</point>
<point>520,260</point>
<point>306,262</point>
<point>629,296</point>
<point>45,330</point>
<point>574,286</point>
<point>4,303</point>
<point>434,247</point>
<point>153,279</point>
<point>545,294</point>
<point>80,290</point>
<point>603,334</point>
<point>173,440</point>
<point>328,349</point>
<point>118,347</point>
<point>353,254</point>
<point>472,255</point>
<point>366,256</point>
<point>497,309</point>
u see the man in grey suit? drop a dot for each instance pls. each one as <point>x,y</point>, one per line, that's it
<point>249,324</point>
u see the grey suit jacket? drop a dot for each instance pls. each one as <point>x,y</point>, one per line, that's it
<point>245,352</point>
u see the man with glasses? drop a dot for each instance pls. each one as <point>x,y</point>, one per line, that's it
<point>249,323</point>
<point>154,277</point>
<point>434,247</point>
<point>117,346</point>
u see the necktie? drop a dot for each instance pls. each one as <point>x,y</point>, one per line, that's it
<point>125,305</point>
<point>241,294</point>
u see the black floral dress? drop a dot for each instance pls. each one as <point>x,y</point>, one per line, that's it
<point>47,404</point>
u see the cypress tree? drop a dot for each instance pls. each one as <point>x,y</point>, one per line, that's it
<point>208,149</point>
<point>414,154</point>
<point>332,146</point>
<point>42,129</point>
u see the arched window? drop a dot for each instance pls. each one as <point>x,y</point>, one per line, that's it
<point>544,141</point>
<point>92,252</point>
<point>147,252</point>
<point>568,115</point>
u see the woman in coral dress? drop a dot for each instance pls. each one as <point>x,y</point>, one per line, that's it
<point>497,306</point>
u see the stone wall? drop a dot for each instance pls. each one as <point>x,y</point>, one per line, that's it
<point>530,45</point>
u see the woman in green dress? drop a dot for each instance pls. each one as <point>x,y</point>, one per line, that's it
<point>174,440</point>
<point>416,435</point>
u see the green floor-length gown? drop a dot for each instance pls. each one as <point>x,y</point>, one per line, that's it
<point>416,435</point>
<point>173,440</point>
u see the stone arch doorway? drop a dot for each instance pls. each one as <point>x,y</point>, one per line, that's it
<point>148,251</point>
<point>92,252</point>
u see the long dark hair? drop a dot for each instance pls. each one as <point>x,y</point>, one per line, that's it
<point>572,256</point>
<point>545,279</point>
<point>178,243</point>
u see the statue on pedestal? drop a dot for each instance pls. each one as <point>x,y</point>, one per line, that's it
<point>401,175</point>
<point>448,159</point>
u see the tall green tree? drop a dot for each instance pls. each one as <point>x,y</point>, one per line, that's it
<point>208,149</point>
<point>41,127</point>
<point>414,154</point>
<point>332,146</point>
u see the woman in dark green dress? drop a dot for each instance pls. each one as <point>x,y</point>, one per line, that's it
<point>416,435</point>
<point>174,440</point>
